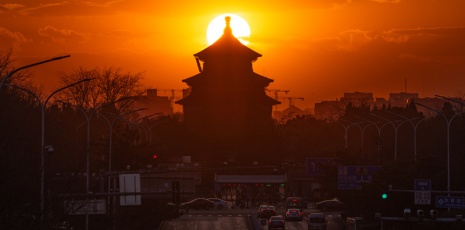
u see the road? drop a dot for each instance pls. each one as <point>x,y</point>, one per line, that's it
<point>238,219</point>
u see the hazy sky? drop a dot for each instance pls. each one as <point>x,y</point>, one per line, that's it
<point>317,49</point>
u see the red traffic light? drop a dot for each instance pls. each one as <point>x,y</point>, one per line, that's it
<point>155,156</point>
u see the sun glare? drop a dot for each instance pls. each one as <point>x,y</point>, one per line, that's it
<point>239,26</point>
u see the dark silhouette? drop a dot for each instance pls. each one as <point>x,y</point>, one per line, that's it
<point>227,104</point>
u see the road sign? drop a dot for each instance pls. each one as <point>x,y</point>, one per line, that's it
<point>450,202</point>
<point>352,177</point>
<point>422,191</point>
<point>80,207</point>
<point>129,183</point>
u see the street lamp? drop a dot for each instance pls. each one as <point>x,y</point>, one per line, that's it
<point>137,124</point>
<point>450,99</point>
<point>362,130</point>
<point>346,128</point>
<point>30,65</point>
<point>448,122</point>
<point>415,126</point>
<point>379,128</point>
<point>110,124</point>
<point>396,128</point>
<point>43,105</point>
<point>88,118</point>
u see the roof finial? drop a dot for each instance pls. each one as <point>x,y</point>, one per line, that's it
<point>227,29</point>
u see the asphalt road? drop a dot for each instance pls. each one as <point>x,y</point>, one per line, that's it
<point>235,219</point>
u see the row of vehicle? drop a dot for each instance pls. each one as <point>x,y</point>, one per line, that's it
<point>267,211</point>
<point>295,211</point>
<point>314,221</point>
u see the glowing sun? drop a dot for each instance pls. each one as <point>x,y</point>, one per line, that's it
<point>239,26</point>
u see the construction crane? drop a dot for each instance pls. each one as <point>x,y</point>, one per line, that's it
<point>275,92</point>
<point>290,99</point>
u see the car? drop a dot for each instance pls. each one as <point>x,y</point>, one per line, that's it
<point>294,214</point>
<point>260,208</point>
<point>219,203</point>
<point>276,222</point>
<point>330,205</point>
<point>267,212</point>
<point>198,203</point>
<point>316,220</point>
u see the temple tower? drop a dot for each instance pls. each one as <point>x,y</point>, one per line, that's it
<point>227,101</point>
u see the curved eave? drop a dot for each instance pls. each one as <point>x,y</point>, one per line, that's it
<point>263,78</point>
<point>272,101</point>
<point>227,45</point>
<point>192,79</point>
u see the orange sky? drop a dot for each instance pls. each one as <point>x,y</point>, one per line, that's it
<point>317,49</point>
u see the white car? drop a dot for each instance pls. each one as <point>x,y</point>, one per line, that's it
<point>219,203</point>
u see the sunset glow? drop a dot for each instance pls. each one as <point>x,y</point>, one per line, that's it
<point>239,26</point>
<point>316,49</point>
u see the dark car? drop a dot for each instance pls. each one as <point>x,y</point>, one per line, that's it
<point>266,212</point>
<point>199,203</point>
<point>276,222</point>
<point>294,214</point>
<point>330,205</point>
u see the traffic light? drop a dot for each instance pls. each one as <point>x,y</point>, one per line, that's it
<point>155,156</point>
<point>384,195</point>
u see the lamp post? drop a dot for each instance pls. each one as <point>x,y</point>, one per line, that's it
<point>396,128</point>
<point>43,147</point>
<point>379,128</point>
<point>28,66</point>
<point>415,126</point>
<point>362,130</point>
<point>88,118</point>
<point>137,124</point>
<point>346,128</point>
<point>450,99</point>
<point>110,124</point>
<point>448,122</point>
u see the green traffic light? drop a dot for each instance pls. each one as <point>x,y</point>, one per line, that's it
<point>384,195</point>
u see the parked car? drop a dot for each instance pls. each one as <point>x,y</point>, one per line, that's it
<point>294,214</point>
<point>316,220</point>
<point>219,203</point>
<point>276,222</point>
<point>198,203</point>
<point>330,205</point>
<point>267,211</point>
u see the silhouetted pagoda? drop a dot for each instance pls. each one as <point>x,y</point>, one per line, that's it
<point>227,101</point>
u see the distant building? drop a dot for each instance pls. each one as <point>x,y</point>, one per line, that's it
<point>381,103</point>
<point>401,99</point>
<point>154,104</point>
<point>289,113</point>
<point>329,110</point>
<point>436,104</point>
<point>358,99</point>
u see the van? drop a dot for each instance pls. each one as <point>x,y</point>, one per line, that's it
<point>316,220</point>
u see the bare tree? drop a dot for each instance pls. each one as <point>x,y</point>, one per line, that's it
<point>109,85</point>
<point>22,78</point>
